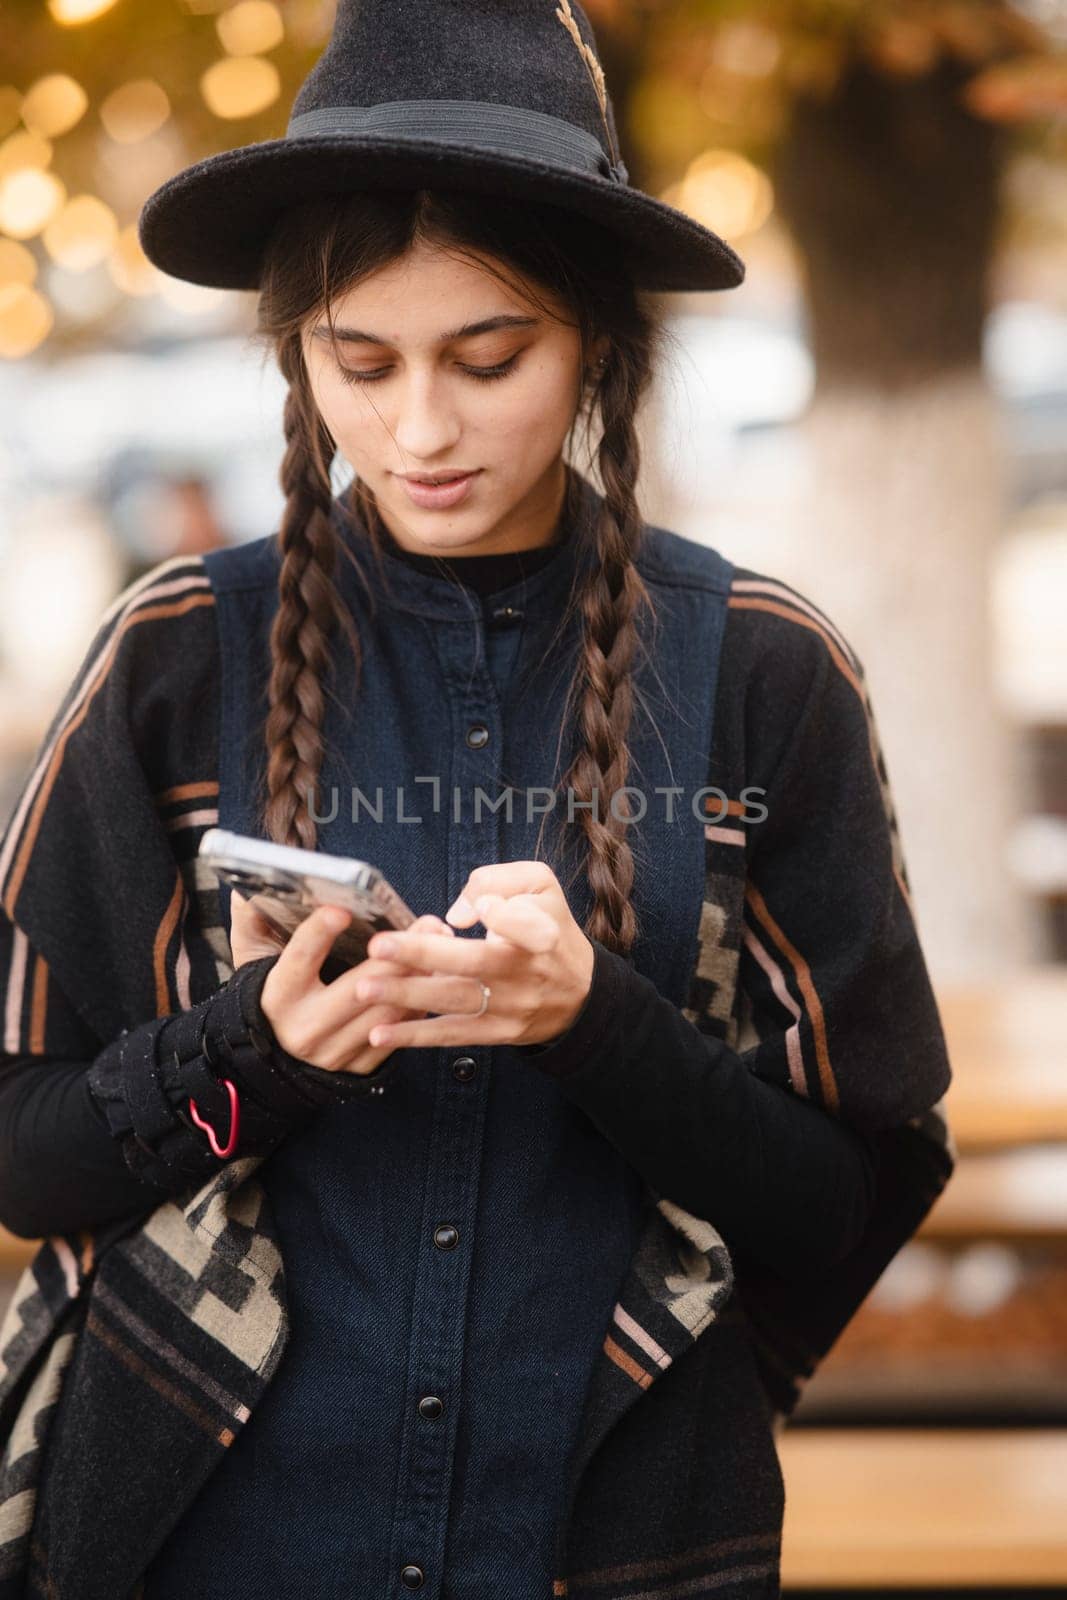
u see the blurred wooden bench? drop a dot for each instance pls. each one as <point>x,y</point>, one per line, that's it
<point>1016,1196</point>
<point>1007,1044</point>
<point>904,1507</point>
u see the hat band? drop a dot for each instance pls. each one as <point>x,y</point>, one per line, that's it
<point>475,125</point>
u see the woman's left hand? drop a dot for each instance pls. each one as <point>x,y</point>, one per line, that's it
<point>535,959</point>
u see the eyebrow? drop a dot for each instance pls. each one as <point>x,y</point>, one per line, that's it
<point>469,329</point>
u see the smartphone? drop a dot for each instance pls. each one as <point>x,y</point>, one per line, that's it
<point>285,884</point>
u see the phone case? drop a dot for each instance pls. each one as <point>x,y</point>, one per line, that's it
<point>286,884</point>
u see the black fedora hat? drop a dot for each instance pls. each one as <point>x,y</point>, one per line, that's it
<point>489,96</point>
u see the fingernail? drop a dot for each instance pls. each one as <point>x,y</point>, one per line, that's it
<point>384,946</point>
<point>460,907</point>
<point>482,903</point>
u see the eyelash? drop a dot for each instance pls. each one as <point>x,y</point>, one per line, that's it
<point>481,374</point>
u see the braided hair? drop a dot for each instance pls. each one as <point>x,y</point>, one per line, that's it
<point>317,250</point>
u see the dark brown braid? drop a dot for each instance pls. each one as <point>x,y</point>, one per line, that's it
<point>309,608</point>
<point>609,602</point>
<point>317,250</point>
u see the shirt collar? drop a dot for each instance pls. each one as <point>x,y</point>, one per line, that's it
<point>428,594</point>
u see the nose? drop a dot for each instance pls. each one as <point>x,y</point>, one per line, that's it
<point>426,425</point>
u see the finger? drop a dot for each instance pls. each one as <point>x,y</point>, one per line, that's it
<point>434,952</point>
<point>505,878</point>
<point>422,993</point>
<point>431,924</point>
<point>312,941</point>
<point>520,920</point>
<point>380,966</point>
<point>307,949</point>
<point>251,935</point>
<point>253,924</point>
<point>342,997</point>
<point>349,1045</point>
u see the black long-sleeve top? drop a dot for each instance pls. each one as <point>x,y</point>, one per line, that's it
<point>77,1148</point>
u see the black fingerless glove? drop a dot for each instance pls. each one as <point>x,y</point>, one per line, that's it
<point>144,1082</point>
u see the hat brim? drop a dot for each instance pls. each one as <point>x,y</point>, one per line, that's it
<point>210,223</point>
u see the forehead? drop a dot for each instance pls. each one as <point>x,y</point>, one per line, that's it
<point>427,297</point>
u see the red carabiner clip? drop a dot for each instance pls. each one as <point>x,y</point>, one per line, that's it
<point>235,1119</point>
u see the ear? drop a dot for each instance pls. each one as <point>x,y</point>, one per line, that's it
<point>598,354</point>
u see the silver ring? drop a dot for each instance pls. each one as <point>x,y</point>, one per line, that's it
<point>486,992</point>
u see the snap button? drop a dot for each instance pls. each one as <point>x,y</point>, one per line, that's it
<point>506,614</point>
<point>477,735</point>
<point>412,1577</point>
<point>464,1068</point>
<point>430,1406</point>
<point>446,1237</point>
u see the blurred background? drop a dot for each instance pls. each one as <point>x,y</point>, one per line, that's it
<point>878,416</point>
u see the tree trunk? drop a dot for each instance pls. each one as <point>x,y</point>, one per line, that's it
<point>890,190</point>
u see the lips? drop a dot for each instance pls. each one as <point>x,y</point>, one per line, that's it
<point>439,477</point>
<point>440,496</point>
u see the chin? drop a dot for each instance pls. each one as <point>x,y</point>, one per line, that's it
<point>461,525</point>
<point>469,543</point>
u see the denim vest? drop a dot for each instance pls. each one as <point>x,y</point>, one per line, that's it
<point>453,1247</point>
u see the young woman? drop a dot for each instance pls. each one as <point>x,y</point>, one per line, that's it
<point>491,1266</point>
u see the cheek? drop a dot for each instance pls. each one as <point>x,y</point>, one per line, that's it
<point>348,415</point>
<point>330,398</point>
<point>540,403</point>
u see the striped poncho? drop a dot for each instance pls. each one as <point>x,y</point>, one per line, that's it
<point>809,967</point>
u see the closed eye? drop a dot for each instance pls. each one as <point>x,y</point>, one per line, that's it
<point>482,374</point>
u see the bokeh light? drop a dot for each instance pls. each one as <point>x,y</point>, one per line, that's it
<point>26,319</point>
<point>54,104</point>
<point>129,266</point>
<point>17,263</point>
<point>250,28</point>
<point>29,199</point>
<point>24,150</point>
<point>71,13</point>
<point>82,234</point>
<point>240,86</point>
<point>724,191</point>
<point>135,110</point>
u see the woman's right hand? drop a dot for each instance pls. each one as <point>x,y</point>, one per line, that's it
<point>322,1023</point>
